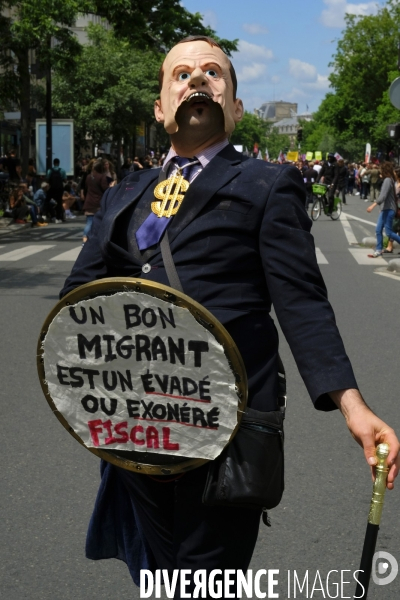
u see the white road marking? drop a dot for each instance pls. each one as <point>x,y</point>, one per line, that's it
<point>74,236</point>
<point>23,252</point>
<point>348,232</point>
<point>353,218</point>
<point>361,256</point>
<point>321,260</point>
<point>53,236</point>
<point>70,255</point>
<point>397,277</point>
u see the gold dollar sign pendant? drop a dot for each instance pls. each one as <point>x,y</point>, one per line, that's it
<point>169,192</point>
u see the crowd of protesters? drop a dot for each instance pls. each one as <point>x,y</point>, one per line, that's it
<point>371,181</point>
<point>56,198</point>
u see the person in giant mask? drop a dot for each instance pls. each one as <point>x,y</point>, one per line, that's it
<point>241,241</point>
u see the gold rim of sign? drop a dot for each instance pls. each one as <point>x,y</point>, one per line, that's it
<point>163,192</point>
<point>113,285</point>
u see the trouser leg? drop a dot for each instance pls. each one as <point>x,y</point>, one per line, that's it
<point>57,196</point>
<point>183,533</point>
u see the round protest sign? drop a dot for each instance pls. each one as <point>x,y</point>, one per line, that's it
<point>142,375</point>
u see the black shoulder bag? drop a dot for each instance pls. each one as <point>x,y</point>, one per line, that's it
<point>249,472</point>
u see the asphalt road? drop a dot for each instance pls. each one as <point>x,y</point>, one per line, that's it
<point>49,481</point>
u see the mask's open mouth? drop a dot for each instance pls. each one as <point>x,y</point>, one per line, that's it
<point>199,98</point>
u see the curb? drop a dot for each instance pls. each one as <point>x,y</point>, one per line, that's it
<point>394,265</point>
<point>370,242</point>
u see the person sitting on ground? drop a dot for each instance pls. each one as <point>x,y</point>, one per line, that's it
<point>16,208</point>
<point>19,209</point>
<point>69,199</point>
<point>32,206</point>
<point>40,197</point>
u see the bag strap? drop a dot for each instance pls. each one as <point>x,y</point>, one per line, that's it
<point>169,264</point>
<point>175,282</point>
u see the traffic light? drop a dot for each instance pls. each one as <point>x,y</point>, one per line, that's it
<point>299,134</point>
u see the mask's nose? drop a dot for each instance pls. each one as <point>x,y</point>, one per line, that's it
<point>198,78</point>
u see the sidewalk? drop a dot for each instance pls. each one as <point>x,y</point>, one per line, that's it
<point>7,224</point>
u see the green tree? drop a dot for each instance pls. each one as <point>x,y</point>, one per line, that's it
<point>366,54</point>
<point>249,131</point>
<point>110,90</point>
<point>43,26</point>
<point>30,26</point>
<point>253,130</point>
<point>276,142</point>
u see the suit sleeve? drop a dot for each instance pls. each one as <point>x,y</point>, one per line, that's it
<point>90,265</point>
<point>298,291</point>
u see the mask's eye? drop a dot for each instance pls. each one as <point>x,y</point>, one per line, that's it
<point>184,76</point>
<point>212,73</point>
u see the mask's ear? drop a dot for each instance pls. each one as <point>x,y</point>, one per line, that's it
<point>158,113</point>
<point>239,110</point>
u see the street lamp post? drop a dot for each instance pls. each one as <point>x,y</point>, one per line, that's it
<point>49,132</point>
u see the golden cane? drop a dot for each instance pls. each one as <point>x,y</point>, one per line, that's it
<point>374,519</point>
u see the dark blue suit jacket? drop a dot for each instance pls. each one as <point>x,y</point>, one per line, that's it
<point>241,241</point>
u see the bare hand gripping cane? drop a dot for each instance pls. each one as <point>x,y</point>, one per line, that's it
<point>374,519</point>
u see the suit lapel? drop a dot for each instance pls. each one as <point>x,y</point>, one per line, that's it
<point>131,193</point>
<point>217,173</point>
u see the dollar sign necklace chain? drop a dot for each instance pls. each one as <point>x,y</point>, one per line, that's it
<point>170,193</point>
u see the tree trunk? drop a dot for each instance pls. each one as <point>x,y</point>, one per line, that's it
<point>25,105</point>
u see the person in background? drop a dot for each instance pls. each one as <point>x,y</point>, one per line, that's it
<point>317,166</point>
<point>69,199</point>
<point>125,169</point>
<point>20,207</point>
<point>342,179</point>
<point>374,175</point>
<point>40,197</point>
<point>310,176</point>
<point>351,179</point>
<point>357,181</point>
<point>109,172</point>
<point>329,174</point>
<point>365,179</point>
<point>31,175</point>
<point>136,165</point>
<point>11,163</point>
<point>56,176</point>
<point>96,185</point>
<point>32,206</point>
<point>388,203</point>
<point>18,175</point>
<point>396,220</point>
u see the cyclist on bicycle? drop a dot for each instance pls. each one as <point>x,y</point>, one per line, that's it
<point>329,174</point>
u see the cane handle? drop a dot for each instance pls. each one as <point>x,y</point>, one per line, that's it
<point>378,492</point>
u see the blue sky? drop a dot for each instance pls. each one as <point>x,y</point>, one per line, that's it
<point>285,47</point>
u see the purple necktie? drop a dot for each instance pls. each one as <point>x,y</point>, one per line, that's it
<point>151,230</point>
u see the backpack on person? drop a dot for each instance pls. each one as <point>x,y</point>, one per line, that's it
<point>55,180</point>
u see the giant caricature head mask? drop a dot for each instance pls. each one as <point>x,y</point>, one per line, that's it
<point>198,73</point>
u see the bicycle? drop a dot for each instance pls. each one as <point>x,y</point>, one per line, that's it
<point>321,203</point>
